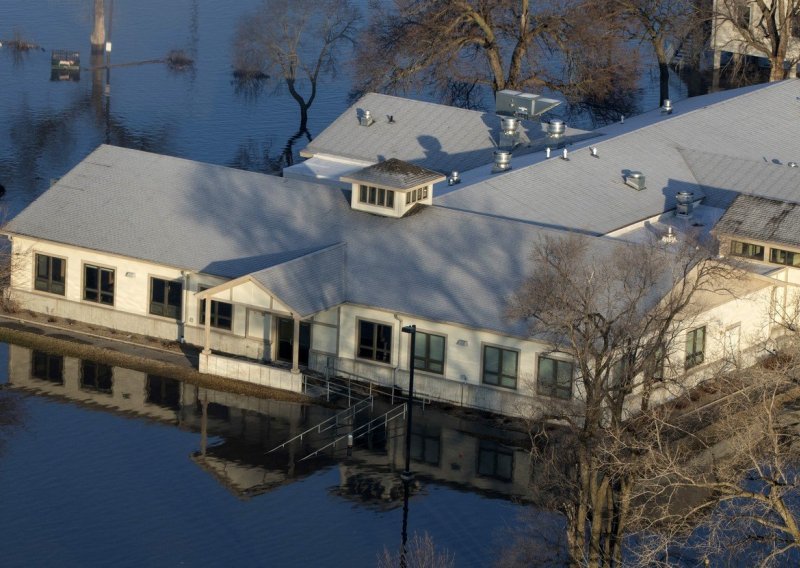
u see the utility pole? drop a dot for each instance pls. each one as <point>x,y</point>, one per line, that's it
<point>407,476</point>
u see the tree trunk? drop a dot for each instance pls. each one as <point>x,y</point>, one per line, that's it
<point>663,81</point>
<point>776,69</point>
<point>98,38</point>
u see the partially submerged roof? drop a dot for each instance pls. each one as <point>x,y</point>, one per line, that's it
<point>761,219</point>
<point>394,173</point>
<point>434,136</point>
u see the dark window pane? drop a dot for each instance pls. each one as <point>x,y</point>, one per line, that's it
<point>389,198</point>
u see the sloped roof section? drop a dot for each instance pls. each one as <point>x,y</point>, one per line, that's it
<point>394,173</point>
<point>311,283</point>
<point>758,218</point>
<point>438,137</point>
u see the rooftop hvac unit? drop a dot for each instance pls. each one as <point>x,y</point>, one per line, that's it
<point>524,105</point>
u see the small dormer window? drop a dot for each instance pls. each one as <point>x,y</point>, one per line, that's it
<point>376,196</point>
<point>374,188</point>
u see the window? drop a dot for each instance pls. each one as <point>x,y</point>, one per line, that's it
<point>374,341</point>
<point>495,460</point>
<point>425,446</point>
<point>376,196</point>
<point>500,367</point>
<point>695,347</point>
<point>779,256</point>
<point>747,250</point>
<point>98,284</point>
<point>221,314</point>
<point>429,352</point>
<point>163,392</point>
<point>554,378</point>
<point>166,298</point>
<point>48,367</point>
<point>96,377</point>
<point>50,274</point>
<point>657,364</point>
<point>741,14</point>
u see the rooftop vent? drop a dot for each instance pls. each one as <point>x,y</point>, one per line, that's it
<point>666,108</point>
<point>390,118</point>
<point>792,164</point>
<point>509,135</point>
<point>593,152</point>
<point>635,180</point>
<point>502,161</point>
<point>669,237</point>
<point>454,178</point>
<point>685,206</point>
<point>556,128</point>
<point>366,119</point>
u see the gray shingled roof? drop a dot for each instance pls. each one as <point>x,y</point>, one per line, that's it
<point>311,283</point>
<point>758,218</point>
<point>395,173</point>
<point>437,137</point>
<point>588,193</point>
<point>439,264</point>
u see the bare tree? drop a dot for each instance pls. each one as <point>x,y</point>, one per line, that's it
<point>422,553</point>
<point>667,25</point>
<point>724,482</point>
<point>615,313</point>
<point>567,46</point>
<point>295,42</point>
<point>764,28</point>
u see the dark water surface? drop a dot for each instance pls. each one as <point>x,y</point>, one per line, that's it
<point>115,471</point>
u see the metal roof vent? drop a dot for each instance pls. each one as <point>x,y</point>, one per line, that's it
<point>454,178</point>
<point>685,206</point>
<point>502,161</point>
<point>556,128</point>
<point>792,164</point>
<point>635,180</point>
<point>669,237</point>
<point>366,119</point>
<point>593,152</point>
<point>666,108</point>
<point>509,135</point>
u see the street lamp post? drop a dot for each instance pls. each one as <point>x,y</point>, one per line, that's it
<point>406,475</point>
<point>412,331</point>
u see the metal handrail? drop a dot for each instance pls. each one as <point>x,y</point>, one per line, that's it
<point>351,410</point>
<point>386,417</point>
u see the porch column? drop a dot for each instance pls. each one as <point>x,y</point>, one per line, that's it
<point>296,345</point>
<point>207,324</point>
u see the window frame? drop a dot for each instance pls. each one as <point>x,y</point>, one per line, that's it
<point>426,358</point>
<point>552,390</point>
<point>48,359</point>
<point>695,357</point>
<point>165,304</point>
<point>496,451</point>
<point>49,281</point>
<point>387,359</point>
<point>742,245</point>
<point>214,319</point>
<point>99,291</point>
<point>786,253</point>
<point>499,371</point>
<point>377,196</point>
<point>96,376</point>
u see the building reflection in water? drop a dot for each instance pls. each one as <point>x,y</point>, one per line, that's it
<point>236,434</point>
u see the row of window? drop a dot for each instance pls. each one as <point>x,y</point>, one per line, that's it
<point>500,365</point>
<point>166,296</point>
<point>757,252</point>
<point>416,195</point>
<point>376,196</point>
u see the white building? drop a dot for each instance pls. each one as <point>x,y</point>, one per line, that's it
<point>322,268</point>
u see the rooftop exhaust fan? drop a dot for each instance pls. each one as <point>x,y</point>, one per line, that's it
<point>666,108</point>
<point>635,180</point>
<point>366,119</point>
<point>685,206</point>
<point>502,161</point>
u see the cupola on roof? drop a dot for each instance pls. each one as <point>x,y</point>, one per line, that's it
<point>395,174</point>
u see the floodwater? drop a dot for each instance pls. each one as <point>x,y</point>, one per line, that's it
<point>99,469</point>
<point>102,466</point>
